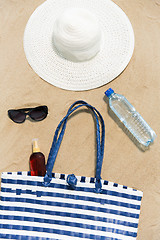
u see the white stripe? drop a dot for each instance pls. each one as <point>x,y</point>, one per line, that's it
<point>69,219</point>
<point>79,184</point>
<point>71,192</point>
<point>70,210</point>
<point>65,228</point>
<point>71,201</point>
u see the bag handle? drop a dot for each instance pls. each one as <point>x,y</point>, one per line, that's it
<point>58,139</point>
<point>84,104</point>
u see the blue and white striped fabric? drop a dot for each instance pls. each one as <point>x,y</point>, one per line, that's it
<point>68,207</point>
<point>31,211</point>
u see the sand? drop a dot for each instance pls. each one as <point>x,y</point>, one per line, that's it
<point>124,162</point>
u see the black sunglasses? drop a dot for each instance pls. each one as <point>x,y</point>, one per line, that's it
<point>19,115</point>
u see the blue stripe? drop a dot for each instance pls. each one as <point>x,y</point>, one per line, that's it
<point>69,205</point>
<point>18,237</point>
<point>67,214</point>
<point>62,176</point>
<point>61,232</point>
<point>67,187</point>
<point>76,197</point>
<point>69,224</point>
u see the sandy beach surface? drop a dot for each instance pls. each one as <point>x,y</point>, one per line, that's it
<point>124,162</point>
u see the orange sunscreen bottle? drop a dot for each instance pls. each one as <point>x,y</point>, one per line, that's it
<point>37,160</point>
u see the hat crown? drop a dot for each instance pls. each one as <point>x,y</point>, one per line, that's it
<point>77,35</point>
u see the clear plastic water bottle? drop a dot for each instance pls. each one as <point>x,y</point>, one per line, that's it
<point>132,120</point>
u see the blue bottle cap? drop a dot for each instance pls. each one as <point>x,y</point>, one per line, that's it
<point>109,92</point>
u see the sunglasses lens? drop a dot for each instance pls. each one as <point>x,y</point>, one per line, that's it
<point>17,116</point>
<point>39,113</point>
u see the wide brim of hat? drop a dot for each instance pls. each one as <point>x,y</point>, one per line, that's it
<point>114,56</point>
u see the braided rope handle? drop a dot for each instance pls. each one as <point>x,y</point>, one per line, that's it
<point>59,133</point>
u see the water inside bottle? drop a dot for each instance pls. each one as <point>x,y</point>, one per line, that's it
<point>132,120</point>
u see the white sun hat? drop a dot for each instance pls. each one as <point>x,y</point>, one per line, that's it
<point>78,44</point>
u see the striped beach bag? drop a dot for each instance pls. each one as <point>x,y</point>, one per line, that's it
<point>68,207</point>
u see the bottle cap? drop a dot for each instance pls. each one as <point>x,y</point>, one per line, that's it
<point>35,147</point>
<point>109,92</point>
